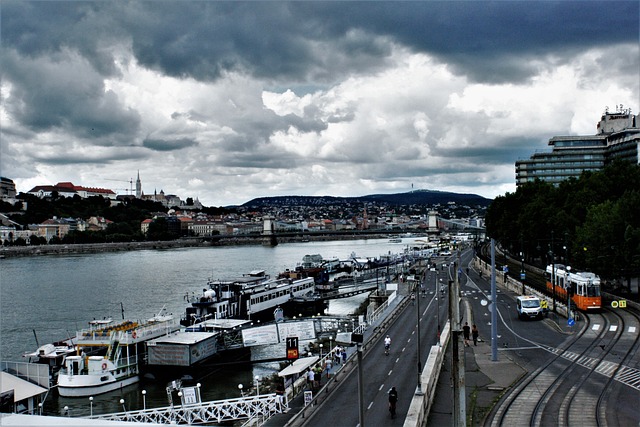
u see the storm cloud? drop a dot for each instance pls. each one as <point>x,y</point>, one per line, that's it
<point>235,100</point>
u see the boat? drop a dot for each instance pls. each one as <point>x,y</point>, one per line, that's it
<point>53,355</point>
<point>109,355</point>
<point>253,296</point>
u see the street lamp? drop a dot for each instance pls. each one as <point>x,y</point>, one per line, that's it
<point>66,411</point>
<point>320,351</point>
<point>91,404</point>
<point>257,378</point>
<point>144,400</point>
<point>419,390</point>
<point>240,388</point>
<point>123,407</point>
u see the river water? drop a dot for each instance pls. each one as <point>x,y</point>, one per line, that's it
<point>57,295</point>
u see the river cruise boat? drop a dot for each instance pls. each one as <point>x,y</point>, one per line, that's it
<point>253,296</point>
<point>109,355</point>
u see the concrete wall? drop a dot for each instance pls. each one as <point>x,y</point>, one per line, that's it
<point>421,403</point>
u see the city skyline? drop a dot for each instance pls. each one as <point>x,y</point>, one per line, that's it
<point>229,101</point>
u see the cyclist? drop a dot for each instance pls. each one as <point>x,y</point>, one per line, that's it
<point>387,344</point>
<point>393,398</point>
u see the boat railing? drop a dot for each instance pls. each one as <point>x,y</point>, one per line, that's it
<point>123,362</point>
<point>127,332</point>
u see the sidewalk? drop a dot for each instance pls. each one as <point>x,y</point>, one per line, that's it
<point>485,381</point>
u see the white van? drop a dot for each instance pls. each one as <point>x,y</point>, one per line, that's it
<point>528,307</point>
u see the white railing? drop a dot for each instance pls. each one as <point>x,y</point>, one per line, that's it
<point>217,411</point>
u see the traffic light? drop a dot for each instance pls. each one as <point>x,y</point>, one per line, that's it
<point>292,348</point>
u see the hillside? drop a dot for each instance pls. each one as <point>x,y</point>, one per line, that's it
<point>417,197</point>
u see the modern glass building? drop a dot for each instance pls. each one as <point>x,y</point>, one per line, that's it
<point>618,137</point>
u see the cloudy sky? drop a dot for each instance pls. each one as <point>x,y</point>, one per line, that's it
<point>227,101</point>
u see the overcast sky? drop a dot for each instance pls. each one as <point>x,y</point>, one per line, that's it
<point>228,101</point>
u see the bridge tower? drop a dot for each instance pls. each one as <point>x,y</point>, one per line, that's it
<point>432,220</point>
<point>269,231</point>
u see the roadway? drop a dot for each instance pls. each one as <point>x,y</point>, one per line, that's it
<point>381,372</point>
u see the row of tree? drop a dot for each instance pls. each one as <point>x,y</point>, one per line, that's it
<point>590,223</point>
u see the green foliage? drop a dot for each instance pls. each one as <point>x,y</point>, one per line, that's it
<point>592,223</point>
<point>125,218</point>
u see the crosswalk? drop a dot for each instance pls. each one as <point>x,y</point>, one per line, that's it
<point>626,375</point>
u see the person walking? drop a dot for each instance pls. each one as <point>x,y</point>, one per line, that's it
<point>474,334</point>
<point>466,333</point>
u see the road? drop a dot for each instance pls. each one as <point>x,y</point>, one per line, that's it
<point>399,369</point>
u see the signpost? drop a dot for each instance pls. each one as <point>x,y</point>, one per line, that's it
<point>292,348</point>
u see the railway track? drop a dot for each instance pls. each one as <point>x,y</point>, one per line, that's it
<point>586,382</point>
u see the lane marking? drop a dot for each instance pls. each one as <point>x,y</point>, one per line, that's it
<point>397,360</point>
<point>381,387</point>
<point>390,372</point>
<point>613,328</point>
<point>632,329</point>
<point>596,327</point>
<point>370,405</point>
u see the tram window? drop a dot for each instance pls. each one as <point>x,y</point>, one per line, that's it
<point>593,291</point>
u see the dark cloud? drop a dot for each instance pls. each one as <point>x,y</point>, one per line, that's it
<point>158,144</point>
<point>307,42</point>
<point>64,93</point>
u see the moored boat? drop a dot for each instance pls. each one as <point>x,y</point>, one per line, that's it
<point>118,349</point>
<point>253,296</point>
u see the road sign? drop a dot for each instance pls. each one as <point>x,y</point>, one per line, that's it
<point>308,397</point>
<point>571,322</point>
<point>292,348</point>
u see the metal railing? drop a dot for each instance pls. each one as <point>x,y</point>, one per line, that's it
<point>216,411</point>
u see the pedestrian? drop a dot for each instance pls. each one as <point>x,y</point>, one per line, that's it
<point>474,334</point>
<point>466,333</point>
<point>344,356</point>
<point>317,376</point>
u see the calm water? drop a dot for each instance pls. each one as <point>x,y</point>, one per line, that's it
<point>56,295</point>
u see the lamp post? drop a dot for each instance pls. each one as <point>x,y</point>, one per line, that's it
<point>240,388</point>
<point>123,407</point>
<point>144,400</point>
<point>91,404</point>
<point>257,378</point>
<point>419,389</point>
<point>320,350</point>
<point>66,411</point>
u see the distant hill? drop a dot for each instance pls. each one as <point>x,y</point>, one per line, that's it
<point>417,197</point>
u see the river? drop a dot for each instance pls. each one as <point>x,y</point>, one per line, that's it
<point>57,295</point>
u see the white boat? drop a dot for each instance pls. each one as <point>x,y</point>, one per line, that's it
<point>253,296</point>
<point>121,345</point>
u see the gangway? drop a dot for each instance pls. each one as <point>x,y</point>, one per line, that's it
<point>217,411</point>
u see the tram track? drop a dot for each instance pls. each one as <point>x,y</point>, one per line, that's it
<point>577,384</point>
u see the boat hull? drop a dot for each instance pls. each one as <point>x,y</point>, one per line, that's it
<point>91,386</point>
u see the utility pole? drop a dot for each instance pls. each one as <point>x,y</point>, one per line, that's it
<point>457,360</point>
<point>494,305</point>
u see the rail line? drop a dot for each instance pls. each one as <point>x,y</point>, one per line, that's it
<point>578,383</point>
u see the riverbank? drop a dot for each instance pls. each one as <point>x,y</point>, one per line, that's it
<point>66,249</point>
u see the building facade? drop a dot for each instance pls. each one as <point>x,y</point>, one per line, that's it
<point>617,137</point>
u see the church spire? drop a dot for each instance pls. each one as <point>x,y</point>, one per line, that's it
<point>138,187</point>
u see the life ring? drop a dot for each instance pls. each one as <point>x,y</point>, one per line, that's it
<point>104,366</point>
<point>134,335</point>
